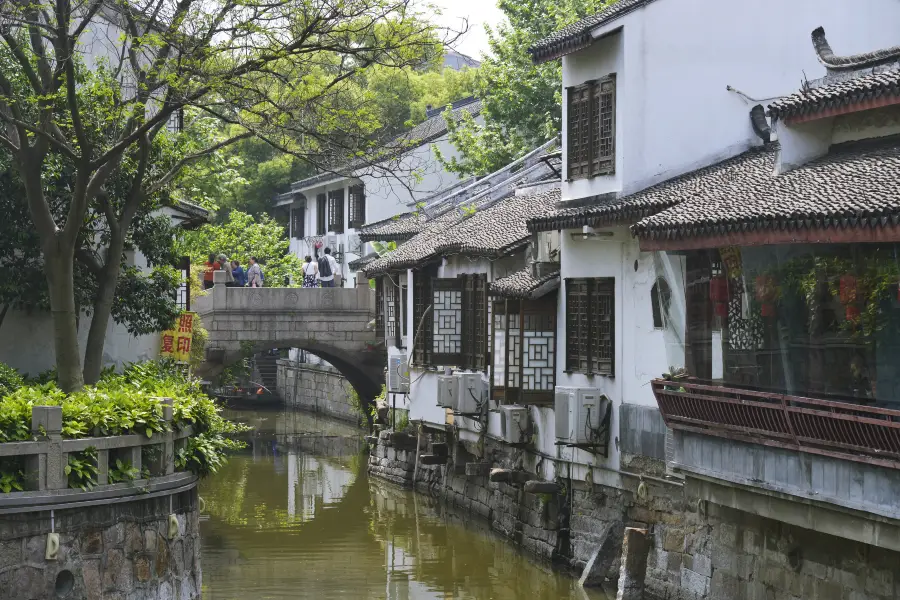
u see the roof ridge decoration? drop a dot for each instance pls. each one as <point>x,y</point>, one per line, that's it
<point>850,62</point>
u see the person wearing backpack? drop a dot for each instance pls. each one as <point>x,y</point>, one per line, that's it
<point>327,268</point>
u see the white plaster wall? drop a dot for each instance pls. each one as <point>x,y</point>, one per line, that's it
<point>674,113</point>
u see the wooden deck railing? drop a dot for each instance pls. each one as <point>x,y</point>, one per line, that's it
<point>842,429</point>
<point>46,459</point>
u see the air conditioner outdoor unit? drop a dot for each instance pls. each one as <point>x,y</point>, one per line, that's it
<point>398,374</point>
<point>514,421</point>
<point>580,412</point>
<point>472,393</point>
<point>448,391</point>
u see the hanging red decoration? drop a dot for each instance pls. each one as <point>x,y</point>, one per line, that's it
<point>848,287</point>
<point>718,289</point>
<point>852,312</point>
<point>721,309</point>
<point>767,309</point>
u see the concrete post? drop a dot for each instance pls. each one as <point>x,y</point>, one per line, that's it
<point>219,291</point>
<point>47,421</point>
<point>168,458</point>
<point>635,546</point>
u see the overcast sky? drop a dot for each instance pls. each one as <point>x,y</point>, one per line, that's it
<point>478,12</point>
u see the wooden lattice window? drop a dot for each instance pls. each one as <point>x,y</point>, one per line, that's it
<point>336,211</point>
<point>474,322</point>
<point>379,309</point>
<point>447,320</point>
<point>590,326</point>
<point>321,207</point>
<point>524,351</point>
<point>591,129</point>
<point>298,222</point>
<point>357,208</point>
<point>393,314</point>
<point>423,325</point>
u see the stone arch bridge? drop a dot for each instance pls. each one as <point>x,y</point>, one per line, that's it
<point>333,323</point>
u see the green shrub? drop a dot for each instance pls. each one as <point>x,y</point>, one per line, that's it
<point>122,404</point>
<point>10,380</point>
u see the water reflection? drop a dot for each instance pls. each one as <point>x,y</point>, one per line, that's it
<point>295,516</point>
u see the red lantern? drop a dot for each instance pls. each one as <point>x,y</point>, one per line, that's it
<point>852,312</point>
<point>848,289</point>
<point>721,309</point>
<point>768,310</point>
<point>718,289</point>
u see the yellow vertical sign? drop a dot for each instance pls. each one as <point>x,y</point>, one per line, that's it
<point>176,342</point>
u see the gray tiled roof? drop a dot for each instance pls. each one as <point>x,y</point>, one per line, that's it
<point>496,230</point>
<point>423,133</point>
<point>868,88</point>
<point>417,250</point>
<point>492,231</point>
<point>521,284</point>
<point>362,261</point>
<point>722,176</point>
<point>578,35</point>
<point>394,229</point>
<point>855,185</point>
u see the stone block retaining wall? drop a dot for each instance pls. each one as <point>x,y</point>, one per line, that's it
<point>316,388</point>
<point>110,552</point>
<point>698,551</point>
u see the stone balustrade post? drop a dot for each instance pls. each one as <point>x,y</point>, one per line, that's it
<point>219,291</point>
<point>168,458</point>
<point>47,469</point>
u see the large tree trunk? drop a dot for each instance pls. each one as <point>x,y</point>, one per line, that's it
<point>59,270</point>
<point>107,281</point>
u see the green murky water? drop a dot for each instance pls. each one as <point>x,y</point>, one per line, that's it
<point>295,516</point>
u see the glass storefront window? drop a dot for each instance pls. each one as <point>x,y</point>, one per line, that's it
<point>806,320</point>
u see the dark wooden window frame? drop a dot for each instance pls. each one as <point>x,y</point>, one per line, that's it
<point>336,211</point>
<point>514,348</point>
<point>298,222</point>
<point>590,326</point>
<point>357,206</point>
<point>321,212</point>
<point>379,309</point>
<point>423,328</point>
<point>473,315</point>
<point>591,129</point>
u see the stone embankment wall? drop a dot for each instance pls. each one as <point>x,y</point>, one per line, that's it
<point>110,552</point>
<point>697,550</point>
<point>316,388</point>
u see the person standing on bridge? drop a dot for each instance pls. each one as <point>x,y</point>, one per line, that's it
<point>327,268</point>
<point>212,265</point>
<point>240,277</point>
<point>310,272</point>
<point>254,273</point>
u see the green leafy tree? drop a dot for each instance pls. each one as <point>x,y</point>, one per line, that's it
<point>521,101</point>
<point>241,237</point>
<point>285,72</point>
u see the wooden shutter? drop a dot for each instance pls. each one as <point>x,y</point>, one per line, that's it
<point>379,309</point>
<point>336,211</point>
<point>321,224</point>
<point>578,132</point>
<point>447,319</point>
<point>423,328</point>
<point>603,127</point>
<point>602,326</point>
<point>357,207</point>
<point>576,325</point>
<point>298,222</point>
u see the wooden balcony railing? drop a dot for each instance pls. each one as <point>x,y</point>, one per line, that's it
<point>841,429</point>
<point>45,459</point>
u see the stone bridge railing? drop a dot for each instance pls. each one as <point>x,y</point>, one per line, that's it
<point>47,485</point>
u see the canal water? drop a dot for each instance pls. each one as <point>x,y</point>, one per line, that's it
<point>295,516</point>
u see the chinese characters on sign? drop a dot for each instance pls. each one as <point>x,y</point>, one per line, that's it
<point>176,342</point>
